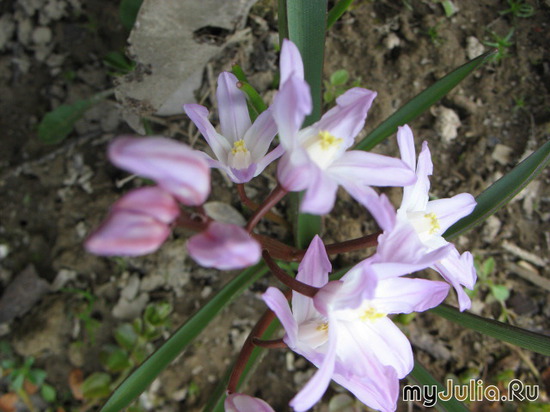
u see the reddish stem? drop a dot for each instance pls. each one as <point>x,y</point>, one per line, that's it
<point>292,283</point>
<point>269,344</point>
<point>254,206</point>
<point>272,199</point>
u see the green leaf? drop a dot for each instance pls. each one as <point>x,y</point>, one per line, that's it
<point>337,11</point>
<point>114,359</point>
<point>422,378</point>
<point>516,336</point>
<point>48,393</point>
<point>156,314</point>
<point>37,376</point>
<point>142,377</point>
<point>96,386</point>
<point>58,123</point>
<point>119,62</point>
<point>306,28</point>
<point>500,292</point>
<point>339,77</point>
<point>502,191</point>
<point>421,102</point>
<point>126,336</point>
<point>128,12</point>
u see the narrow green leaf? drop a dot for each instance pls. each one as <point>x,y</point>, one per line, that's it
<point>336,12</point>
<point>142,377</point>
<point>253,97</point>
<point>502,191</point>
<point>306,28</point>
<point>421,102</point>
<point>283,21</point>
<point>516,336</point>
<point>128,12</point>
<point>58,123</point>
<point>421,377</point>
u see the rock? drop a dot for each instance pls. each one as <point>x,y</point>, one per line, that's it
<point>7,27</point>
<point>223,212</point>
<point>129,310</point>
<point>47,331</point>
<point>22,294</point>
<point>474,47</point>
<point>501,154</point>
<point>392,41</point>
<point>446,123</point>
<point>42,35</point>
<point>171,44</point>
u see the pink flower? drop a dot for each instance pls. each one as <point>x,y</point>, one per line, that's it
<point>174,166</point>
<point>238,402</point>
<point>315,158</point>
<point>241,148</point>
<point>344,330</point>
<point>415,233</point>
<point>137,224</point>
<point>224,246</point>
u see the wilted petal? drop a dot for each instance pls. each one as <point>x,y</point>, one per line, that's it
<point>347,118</point>
<point>127,233</point>
<point>173,166</point>
<point>232,108</point>
<point>290,62</point>
<point>199,116</point>
<point>371,169</point>
<point>239,402</point>
<point>224,246</point>
<point>152,201</point>
<point>404,295</point>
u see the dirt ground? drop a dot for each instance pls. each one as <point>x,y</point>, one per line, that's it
<point>51,53</point>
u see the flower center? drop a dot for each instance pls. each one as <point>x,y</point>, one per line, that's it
<point>427,225</point>
<point>323,148</point>
<point>239,158</point>
<point>370,314</point>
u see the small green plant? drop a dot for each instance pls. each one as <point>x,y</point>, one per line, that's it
<point>500,293</point>
<point>22,379</point>
<point>337,85</point>
<point>501,44</point>
<point>519,8</point>
<point>134,342</point>
<point>84,313</point>
<point>449,7</point>
<point>434,36</point>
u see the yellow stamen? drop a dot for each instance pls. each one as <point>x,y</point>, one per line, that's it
<point>323,327</point>
<point>434,222</point>
<point>371,314</point>
<point>328,140</point>
<point>239,146</point>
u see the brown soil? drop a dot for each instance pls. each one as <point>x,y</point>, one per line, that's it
<point>53,195</point>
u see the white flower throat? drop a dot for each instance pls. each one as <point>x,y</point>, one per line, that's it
<point>239,157</point>
<point>427,225</point>
<point>323,148</point>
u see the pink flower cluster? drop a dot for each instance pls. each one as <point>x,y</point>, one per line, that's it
<point>344,329</point>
